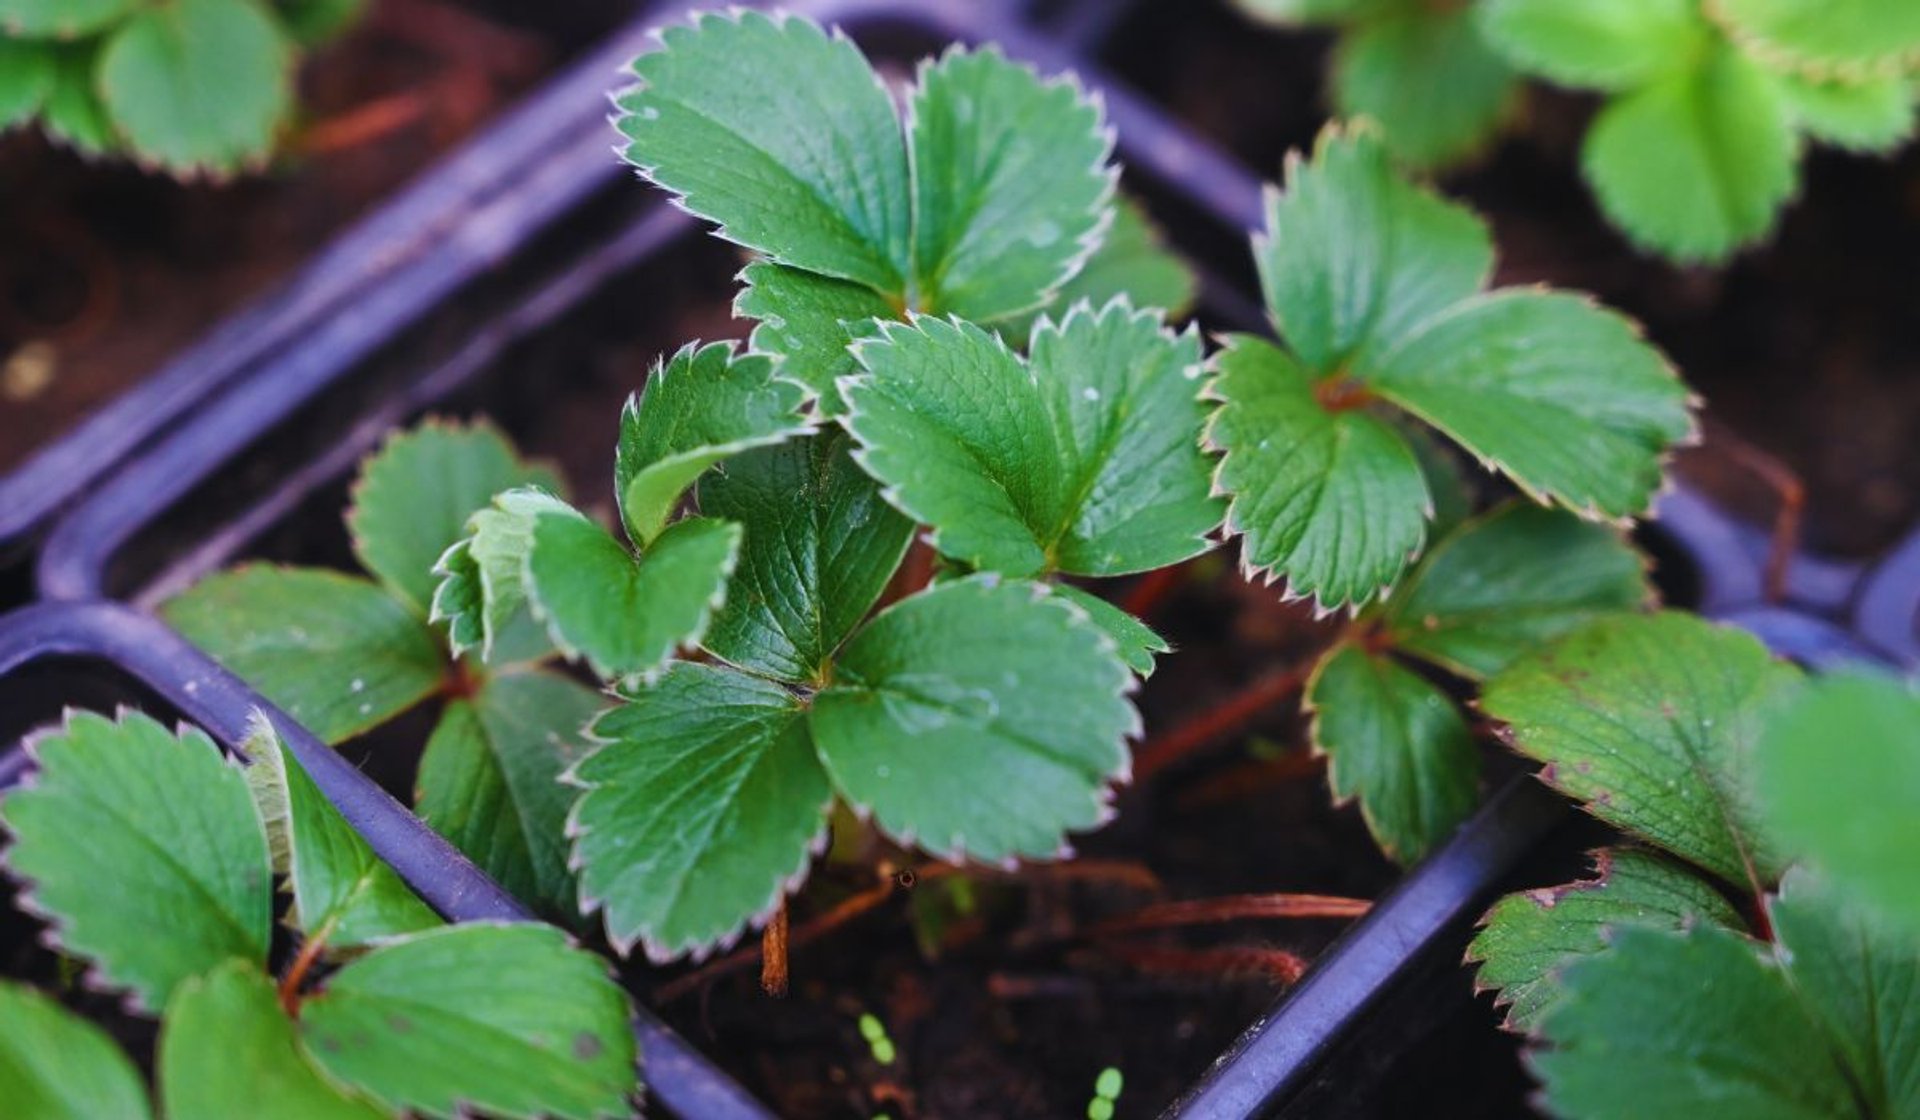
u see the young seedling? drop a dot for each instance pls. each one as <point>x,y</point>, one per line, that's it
<point>1709,105</point>
<point>1796,1002</point>
<point>165,887</point>
<point>345,654</point>
<point>192,87</point>
<point>1421,70</point>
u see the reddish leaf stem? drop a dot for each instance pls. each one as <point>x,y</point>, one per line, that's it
<point>1231,908</point>
<point>1223,719</point>
<point>773,954</point>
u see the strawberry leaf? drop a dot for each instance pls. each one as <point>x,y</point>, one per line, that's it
<point>1389,69</point>
<point>74,113</point>
<point>809,319</point>
<point>1828,38</point>
<point>28,71</point>
<point>55,1065</point>
<point>1135,641</point>
<point>1596,44</point>
<point>1870,115</point>
<point>198,85</point>
<point>1132,261</point>
<point>62,19</point>
<point>482,595</point>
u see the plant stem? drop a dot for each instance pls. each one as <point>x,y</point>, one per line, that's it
<point>1791,492</point>
<point>1229,908</point>
<point>1148,591</point>
<point>1221,720</point>
<point>773,954</point>
<point>1218,963</point>
<point>302,963</point>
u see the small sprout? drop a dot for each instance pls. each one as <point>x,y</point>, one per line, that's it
<point>875,1032</point>
<point>1106,1094</point>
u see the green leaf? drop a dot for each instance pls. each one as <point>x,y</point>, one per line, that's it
<point>1651,722</point>
<point>783,136</point>
<point>1614,45</point>
<point>697,409</point>
<point>1333,502</point>
<point>313,22</point>
<point>412,499</point>
<point>228,1050</point>
<point>74,112</point>
<point>503,1019</point>
<point>1085,459</point>
<point>490,781</point>
<point>336,652</point>
<point>169,823</point>
<point>807,320</point>
<point>62,19</point>
<point>1391,70</point>
<point>1530,937</point>
<point>1698,1023</point>
<point>1559,394</point>
<point>627,616</point>
<point>1839,777</point>
<point>1829,38</point>
<point>982,718</point>
<point>342,892</point>
<point>55,1065</point>
<point>1871,115</point>
<point>1132,261</point>
<point>1296,12</point>
<point>482,596</point>
<point>819,548</point>
<point>1509,581</point>
<point>1354,257</point>
<point>704,803</point>
<point>1011,184</point>
<point>28,71</point>
<point>198,85</point>
<point>1398,744</point>
<point>1698,163</point>
<point>1135,641</point>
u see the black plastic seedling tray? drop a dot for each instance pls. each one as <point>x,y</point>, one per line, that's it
<point>533,219</point>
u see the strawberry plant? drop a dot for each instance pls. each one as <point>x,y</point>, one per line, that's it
<point>164,888</point>
<point>192,87</point>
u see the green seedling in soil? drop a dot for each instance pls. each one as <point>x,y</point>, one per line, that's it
<point>1747,949</point>
<point>190,87</point>
<point>1106,1094</point>
<point>153,859</point>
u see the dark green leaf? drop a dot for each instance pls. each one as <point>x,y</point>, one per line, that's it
<point>807,320</point>
<point>28,71</point>
<point>198,85</point>
<point>1135,640</point>
<point>74,113</point>
<point>55,1065</point>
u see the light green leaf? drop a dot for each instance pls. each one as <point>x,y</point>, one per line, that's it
<point>28,71</point>
<point>1650,721</point>
<point>783,136</point>
<point>482,596</point>
<point>820,546</point>
<point>1135,640</point>
<point>807,320</point>
<point>198,85</point>
<point>169,824</point>
<point>992,687</point>
<point>1692,1024</point>
<point>1354,257</point>
<point>1085,459</point>
<point>1398,744</point>
<point>1559,394</point>
<point>1698,163</point>
<point>490,781</point>
<point>228,1050</point>
<point>1436,88</point>
<point>698,408</point>
<point>413,497</point>
<point>1333,502</point>
<point>1613,45</point>
<point>1829,38</point>
<point>1529,938</point>
<point>336,652</point>
<point>1871,115</point>
<point>62,19</point>
<point>506,1020</point>
<point>55,1065</point>
<point>704,803</point>
<point>74,112</point>
<point>1839,778</point>
<point>1011,184</point>
<point>1508,581</point>
<point>626,616</point>
<point>342,892</point>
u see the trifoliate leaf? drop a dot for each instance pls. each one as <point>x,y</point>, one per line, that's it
<point>227,1049</point>
<point>1561,395</point>
<point>342,892</point>
<point>820,545</point>
<point>336,652</point>
<point>1651,721</point>
<point>1828,38</point>
<point>1839,778</point>
<point>1696,164</point>
<point>482,596</point>
<point>62,19</point>
<point>198,85</point>
<point>780,134</point>
<point>74,112</point>
<point>28,70</point>
<point>144,852</point>
<point>698,408</point>
<point>505,1020</point>
<point>1699,1023</point>
<point>1398,744</point>
<point>1509,581</point>
<point>1871,115</point>
<point>704,802</point>
<point>412,499</point>
<point>1084,459</point>
<point>1333,502</point>
<point>1355,257</point>
<point>1135,641</point>
<point>807,320</point>
<point>625,616</point>
<point>1010,181</point>
<point>986,686</point>
<point>1613,45</point>
<point>1529,938</point>
<point>490,781</point>
<point>1390,69</point>
<point>55,1065</point>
